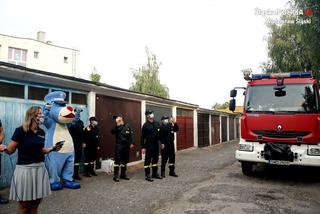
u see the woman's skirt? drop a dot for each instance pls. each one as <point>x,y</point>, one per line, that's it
<point>30,182</point>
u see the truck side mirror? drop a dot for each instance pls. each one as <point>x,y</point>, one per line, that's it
<point>233,93</point>
<point>232,105</point>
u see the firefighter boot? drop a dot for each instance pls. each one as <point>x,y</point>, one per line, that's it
<point>76,173</point>
<point>171,171</point>
<point>86,170</point>
<point>116,173</point>
<point>123,174</point>
<point>163,171</point>
<point>92,172</point>
<point>155,172</point>
<point>147,172</point>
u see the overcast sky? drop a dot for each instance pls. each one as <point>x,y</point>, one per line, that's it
<point>202,44</point>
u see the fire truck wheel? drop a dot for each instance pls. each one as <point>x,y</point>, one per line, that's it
<point>246,167</point>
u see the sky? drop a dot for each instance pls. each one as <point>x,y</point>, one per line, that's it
<point>202,44</point>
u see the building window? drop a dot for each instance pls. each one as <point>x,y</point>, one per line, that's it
<point>11,90</point>
<point>35,93</point>
<point>77,98</point>
<point>17,56</point>
<point>65,59</point>
<point>36,55</point>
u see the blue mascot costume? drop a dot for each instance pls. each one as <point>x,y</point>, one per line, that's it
<point>60,164</point>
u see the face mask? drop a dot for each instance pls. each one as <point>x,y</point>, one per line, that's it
<point>39,120</point>
<point>166,121</point>
<point>151,116</point>
<point>94,123</point>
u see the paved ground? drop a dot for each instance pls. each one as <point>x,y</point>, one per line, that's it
<point>210,181</point>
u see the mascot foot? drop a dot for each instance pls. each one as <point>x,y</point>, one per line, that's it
<point>71,184</point>
<point>56,186</point>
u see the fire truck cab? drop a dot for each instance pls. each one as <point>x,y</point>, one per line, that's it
<point>280,123</point>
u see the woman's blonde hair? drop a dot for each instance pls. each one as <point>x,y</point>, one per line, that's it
<point>30,114</point>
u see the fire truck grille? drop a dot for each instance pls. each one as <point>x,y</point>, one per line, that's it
<point>283,134</point>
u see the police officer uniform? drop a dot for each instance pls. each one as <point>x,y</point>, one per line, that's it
<point>91,140</point>
<point>124,139</point>
<point>168,152</point>
<point>150,138</point>
<point>76,131</point>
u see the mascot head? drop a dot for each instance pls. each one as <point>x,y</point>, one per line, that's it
<point>59,111</point>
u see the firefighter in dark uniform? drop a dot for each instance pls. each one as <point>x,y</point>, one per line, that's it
<point>150,138</point>
<point>76,132</point>
<point>168,128</point>
<point>124,142</point>
<point>91,145</point>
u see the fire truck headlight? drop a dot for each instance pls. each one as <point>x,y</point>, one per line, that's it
<point>314,151</point>
<point>246,147</point>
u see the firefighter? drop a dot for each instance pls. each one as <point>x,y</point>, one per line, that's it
<point>150,137</point>
<point>91,145</point>
<point>124,142</point>
<point>168,128</point>
<point>76,131</point>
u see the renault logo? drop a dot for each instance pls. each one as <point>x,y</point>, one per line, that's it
<point>279,128</point>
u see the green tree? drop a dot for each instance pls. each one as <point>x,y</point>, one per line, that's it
<point>218,106</point>
<point>287,49</point>
<point>95,76</point>
<point>295,46</point>
<point>147,78</point>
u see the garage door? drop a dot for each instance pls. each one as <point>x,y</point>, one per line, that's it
<point>224,128</point>
<point>106,107</point>
<point>185,133</point>
<point>203,130</point>
<point>215,129</point>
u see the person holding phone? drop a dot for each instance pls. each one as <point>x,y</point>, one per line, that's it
<point>30,182</point>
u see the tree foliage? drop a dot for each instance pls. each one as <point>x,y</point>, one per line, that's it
<point>95,76</point>
<point>295,46</point>
<point>217,106</point>
<point>147,78</point>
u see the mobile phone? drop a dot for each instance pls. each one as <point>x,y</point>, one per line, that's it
<point>60,143</point>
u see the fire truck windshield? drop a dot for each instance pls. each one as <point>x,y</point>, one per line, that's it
<point>296,98</point>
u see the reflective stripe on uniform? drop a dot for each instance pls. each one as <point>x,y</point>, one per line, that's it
<point>171,164</point>
<point>122,165</point>
<point>115,165</point>
<point>86,163</point>
<point>77,164</point>
<point>146,166</point>
<point>91,162</point>
<point>154,165</point>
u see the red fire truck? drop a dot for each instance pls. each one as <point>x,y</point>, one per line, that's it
<point>280,124</point>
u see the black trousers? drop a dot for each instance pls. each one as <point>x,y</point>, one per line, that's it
<point>151,159</point>
<point>77,153</point>
<point>90,154</point>
<point>168,153</point>
<point>121,154</point>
